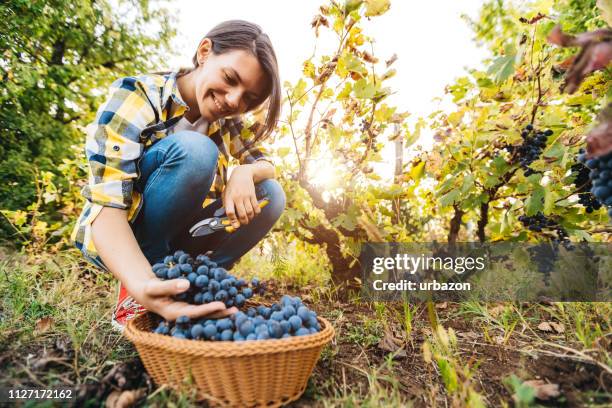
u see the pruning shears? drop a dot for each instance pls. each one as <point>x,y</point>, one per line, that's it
<point>217,222</point>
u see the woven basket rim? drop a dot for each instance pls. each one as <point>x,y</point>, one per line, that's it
<point>138,336</point>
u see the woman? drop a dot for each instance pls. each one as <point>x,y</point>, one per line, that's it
<point>160,145</point>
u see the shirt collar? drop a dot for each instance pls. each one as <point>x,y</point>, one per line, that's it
<point>171,88</point>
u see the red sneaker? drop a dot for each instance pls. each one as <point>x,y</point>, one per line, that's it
<point>126,309</point>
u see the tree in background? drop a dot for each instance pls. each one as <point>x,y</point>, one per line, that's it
<point>56,60</point>
<point>336,122</point>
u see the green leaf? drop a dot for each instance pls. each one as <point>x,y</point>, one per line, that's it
<point>298,92</point>
<point>348,62</point>
<point>346,92</point>
<point>449,198</point>
<point>555,151</point>
<point>364,89</point>
<point>468,182</point>
<point>499,165</point>
<point>534,203</point>
<point>502,67</point>
<point>525,395</point>
<point>351,5</point>
<point>549,200</point>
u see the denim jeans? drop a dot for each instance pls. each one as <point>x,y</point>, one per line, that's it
<point>176,174</point>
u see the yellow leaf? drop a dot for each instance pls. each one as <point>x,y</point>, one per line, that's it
<point>308,69</point>
<point>417,172</point>
<point>377,7</point>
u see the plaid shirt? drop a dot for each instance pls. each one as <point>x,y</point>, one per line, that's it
<point>138,112</point>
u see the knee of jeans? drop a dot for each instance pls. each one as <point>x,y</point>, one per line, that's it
<point>275,194</point>
<point>198,151</point>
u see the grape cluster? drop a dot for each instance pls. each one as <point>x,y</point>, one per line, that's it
<point>544,255</point>
<point>208,282</point>
<point>584,185</point>
<point>534,141</point>
<point>601,178</point>
<point>540,223</point>
<point>288,318</point>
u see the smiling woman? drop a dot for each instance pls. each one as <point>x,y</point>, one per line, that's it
<point>160,146</point>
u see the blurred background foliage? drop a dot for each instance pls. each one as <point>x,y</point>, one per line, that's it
<point>56,60</point>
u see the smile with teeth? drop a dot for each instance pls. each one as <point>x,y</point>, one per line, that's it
<point>217,104</point>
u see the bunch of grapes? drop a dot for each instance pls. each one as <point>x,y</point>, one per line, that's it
<point>601,178</point>
<point>208,282</point>
<point>288,318</point>
<point>583,186</point>
<point>544,255</point>
<point>534,141</point>
<point>540,223</point>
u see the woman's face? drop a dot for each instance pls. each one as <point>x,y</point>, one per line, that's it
<point>226,84</point>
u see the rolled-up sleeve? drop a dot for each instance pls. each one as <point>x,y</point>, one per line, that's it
<point>113,144</point>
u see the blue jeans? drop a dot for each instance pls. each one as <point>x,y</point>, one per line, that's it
<point>176,174</point>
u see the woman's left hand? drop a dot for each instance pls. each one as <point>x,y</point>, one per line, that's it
<point>239,197</point>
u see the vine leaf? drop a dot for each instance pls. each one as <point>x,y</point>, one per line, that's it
<point>534,203</point>
<point>449,198</point>
<point>502,67</point>
<point>376,7</point>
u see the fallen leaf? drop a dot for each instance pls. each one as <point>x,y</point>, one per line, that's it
<point>559,328</point>
<point>544,391</point>
<point>43,325</point>
<point>468,335</point>
<point>545,326</point>
<point>442,305</point>
<point>426,331</point>
<point>551,326</point>
<point>389,342</point>
<point>495,311</point>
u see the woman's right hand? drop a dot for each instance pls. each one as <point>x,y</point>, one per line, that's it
<point>118,248</point>
<point>155,295</point>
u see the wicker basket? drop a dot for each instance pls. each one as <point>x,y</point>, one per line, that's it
<point>266,373</point>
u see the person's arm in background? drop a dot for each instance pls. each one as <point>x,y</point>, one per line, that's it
<point>113,148</point>
<point>239,198</point>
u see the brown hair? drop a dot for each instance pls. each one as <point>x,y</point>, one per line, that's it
<point>242,35</point>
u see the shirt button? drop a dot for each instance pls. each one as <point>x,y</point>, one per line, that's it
<point>116,148</point>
